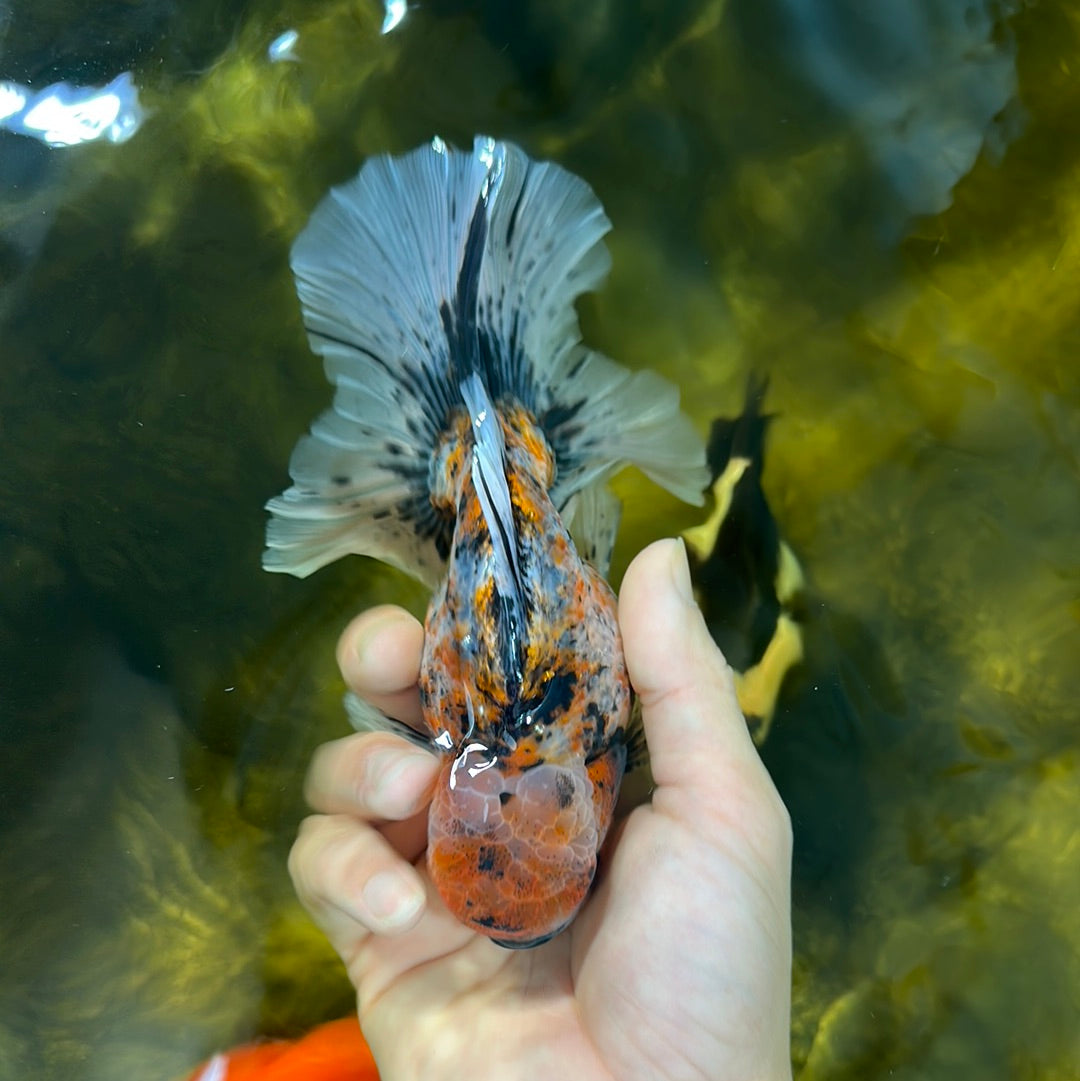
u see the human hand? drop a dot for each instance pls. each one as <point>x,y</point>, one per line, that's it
<point>678,965</point>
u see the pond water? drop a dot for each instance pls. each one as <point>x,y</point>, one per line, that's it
<point>876,206</point>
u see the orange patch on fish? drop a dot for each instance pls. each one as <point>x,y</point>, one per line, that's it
<point>335,1051</point>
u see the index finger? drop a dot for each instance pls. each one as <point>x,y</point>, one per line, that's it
<point>379,656</point>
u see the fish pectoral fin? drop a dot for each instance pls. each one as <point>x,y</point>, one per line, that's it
<point>364,717</point>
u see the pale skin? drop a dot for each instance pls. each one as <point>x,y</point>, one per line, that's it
<point>679,965</point>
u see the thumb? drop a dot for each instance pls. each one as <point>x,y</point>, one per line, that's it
<point>694,727</point>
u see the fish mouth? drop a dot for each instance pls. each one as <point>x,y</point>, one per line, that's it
<point>528,944</point>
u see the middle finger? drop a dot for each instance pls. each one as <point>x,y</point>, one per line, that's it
<point>372,776</point>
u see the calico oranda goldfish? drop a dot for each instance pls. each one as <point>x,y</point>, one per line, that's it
<point>470,443</point>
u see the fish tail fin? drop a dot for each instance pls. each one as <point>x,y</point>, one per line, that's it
<point>422,271</point>
<point>382,269</point>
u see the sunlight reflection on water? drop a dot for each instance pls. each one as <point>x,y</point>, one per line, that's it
<point>66,115</point>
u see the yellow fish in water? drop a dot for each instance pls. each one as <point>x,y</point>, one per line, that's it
<point>747,579</point>
<point>470,442</point>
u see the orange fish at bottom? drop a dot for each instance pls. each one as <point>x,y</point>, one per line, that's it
<point>335,1051</point>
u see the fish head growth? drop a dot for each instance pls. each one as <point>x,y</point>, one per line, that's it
<point>512,852</point>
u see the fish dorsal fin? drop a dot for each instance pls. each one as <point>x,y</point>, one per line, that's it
<point>493,491</point>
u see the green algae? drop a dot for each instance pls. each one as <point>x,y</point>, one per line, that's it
<point>923,462</point>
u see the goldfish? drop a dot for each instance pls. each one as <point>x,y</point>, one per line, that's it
<point>747,580</point>
<point>470,443</point>
<point>334,1051</point>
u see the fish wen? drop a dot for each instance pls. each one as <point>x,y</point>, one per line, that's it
<point>470,442</point>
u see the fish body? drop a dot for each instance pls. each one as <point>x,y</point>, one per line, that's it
<point>470,441</point>
<point>748,581</point>
<point>528,691</point>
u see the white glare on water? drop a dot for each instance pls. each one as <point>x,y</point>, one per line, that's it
<point>283,47</point>
<point>395,12</point>
<point>66,115</point>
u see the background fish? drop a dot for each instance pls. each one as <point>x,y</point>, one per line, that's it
<point>748,581</point>
<point>335,1051</point>
<point>469,444</point>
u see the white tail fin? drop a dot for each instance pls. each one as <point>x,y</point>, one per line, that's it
<point>421,271</point>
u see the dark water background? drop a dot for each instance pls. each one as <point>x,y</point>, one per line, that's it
<point>877,205</point>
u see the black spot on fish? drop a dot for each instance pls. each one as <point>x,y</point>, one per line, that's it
<point>487,860</point>
<point>460,323</point>
<point>558,415</point>
<point>492,923</point>
<point>616,750</point>
<point>517,206</point>
<point>564,791</point>
<point>341,480</point>
<point>505,797</point>
<point>594,718</point>
<point>546,707</point>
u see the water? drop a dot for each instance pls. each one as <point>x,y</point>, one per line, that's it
<point>879,208</point>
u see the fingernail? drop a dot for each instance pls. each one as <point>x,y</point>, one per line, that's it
<point>392,901</point>
<point>397,782</point>
<point>680,572</point>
